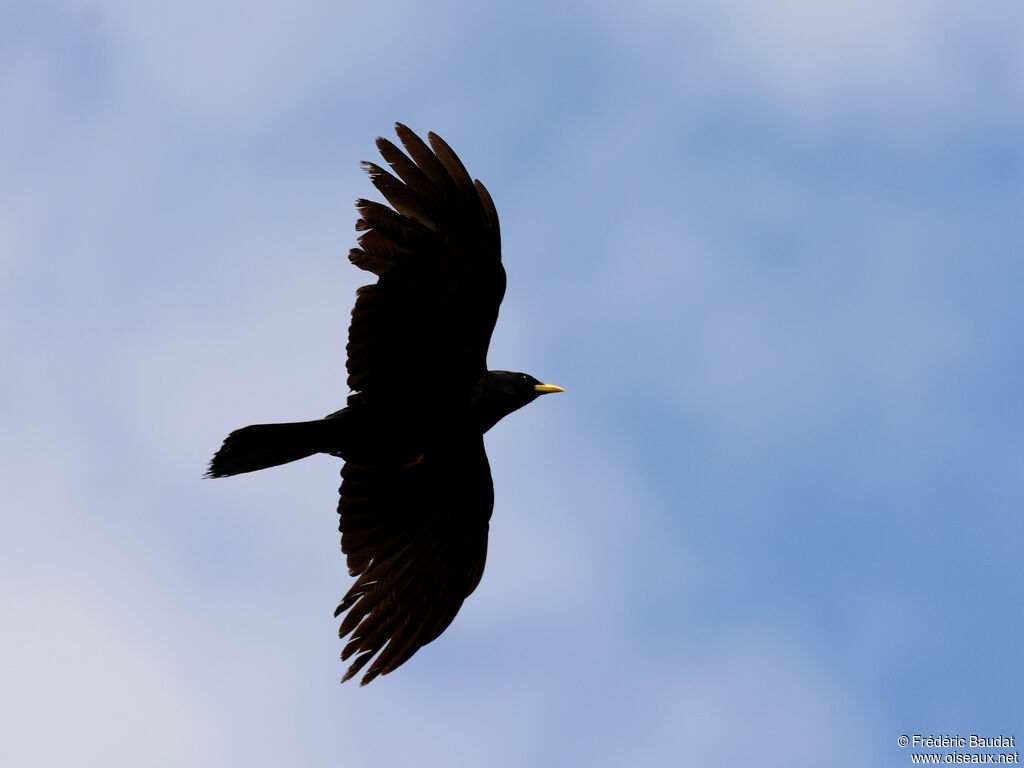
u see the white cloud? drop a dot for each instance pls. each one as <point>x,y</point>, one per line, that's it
<point>756,697</point>
<point>245,67</point>
<point>835,54</point>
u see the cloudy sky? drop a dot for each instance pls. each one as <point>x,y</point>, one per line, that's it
<point>773,251</point>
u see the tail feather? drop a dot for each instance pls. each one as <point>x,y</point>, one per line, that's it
<point>266,445</point>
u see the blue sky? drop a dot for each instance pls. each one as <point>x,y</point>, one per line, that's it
<point>772,251</point>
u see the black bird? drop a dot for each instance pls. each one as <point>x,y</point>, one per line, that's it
<point>416,491</point>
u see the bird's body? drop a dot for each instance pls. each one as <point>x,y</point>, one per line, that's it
<point>416,492</point>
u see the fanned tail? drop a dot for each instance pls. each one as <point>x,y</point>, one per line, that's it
<point>266,445</point>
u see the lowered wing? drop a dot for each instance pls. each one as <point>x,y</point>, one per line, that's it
<point>416,538</point>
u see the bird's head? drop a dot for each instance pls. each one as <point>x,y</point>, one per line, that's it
<point>498,393</point>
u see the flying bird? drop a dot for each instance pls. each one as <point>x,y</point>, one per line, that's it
<point>416,490</point>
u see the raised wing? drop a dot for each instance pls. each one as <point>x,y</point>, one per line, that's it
<point>420,334</point>
<point>416,538</point>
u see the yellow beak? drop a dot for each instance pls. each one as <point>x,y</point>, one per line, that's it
<point>546,388</point>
